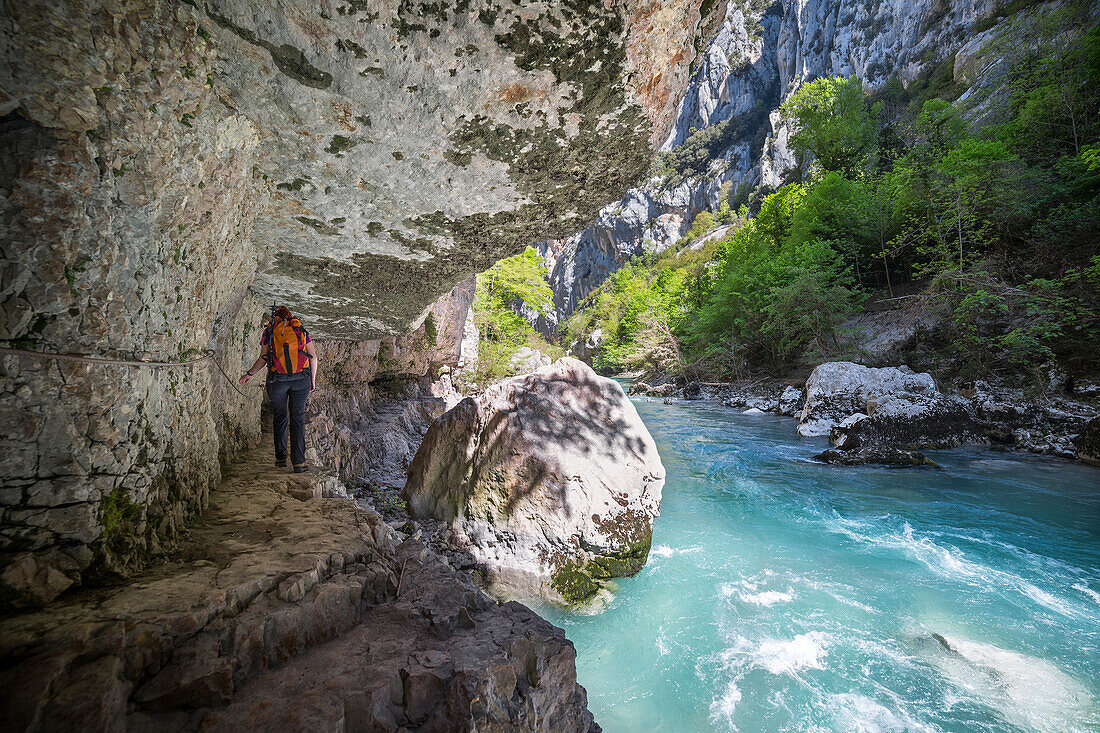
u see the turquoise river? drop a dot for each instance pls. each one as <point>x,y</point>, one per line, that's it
<point>783,595</point>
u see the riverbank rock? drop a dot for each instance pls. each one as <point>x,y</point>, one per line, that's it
<point>1024,420</point>
<point>878,455</point>
<point>791,401</point>
<point>550,480</point>
<point>764,396</point>
<point>646,390</point>
<point>1087,442</point>
<point>836,390</point>
<point>858,406</point>
<point>935,421</point>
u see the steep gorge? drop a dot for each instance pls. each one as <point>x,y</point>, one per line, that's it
<point>169,168</point>
<point>729,132</point>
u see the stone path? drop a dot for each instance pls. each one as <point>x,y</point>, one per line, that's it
<point>289,608</point>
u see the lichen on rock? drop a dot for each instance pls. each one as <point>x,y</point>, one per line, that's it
<point>470,129</point>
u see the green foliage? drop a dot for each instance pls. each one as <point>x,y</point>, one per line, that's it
<point>518,279</point>
<point>831,122</point>
<point>954,190</point>
<point>509,286</point>
<point>1057,108</point>
<point>118,515</point>
<point>1014,329</point>
<point>641,309</point>
<point>703,222</point>
<point>430,330</point>
<point>773,296</point>
<point>996,225</point>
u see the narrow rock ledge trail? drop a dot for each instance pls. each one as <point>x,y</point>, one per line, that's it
<point>289,607</point>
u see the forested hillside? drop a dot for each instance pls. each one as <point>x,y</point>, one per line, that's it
<point>979,208</point>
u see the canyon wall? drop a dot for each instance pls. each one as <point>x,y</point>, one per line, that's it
<point>124,234</point>
<point>729,116</point>
<point>168,169</point>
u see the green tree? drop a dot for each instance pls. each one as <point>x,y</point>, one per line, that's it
<point>703,222</point>
<point>518,279</point>
<point>831,121</point>
<point>500,293</point>
<point>777,211</point>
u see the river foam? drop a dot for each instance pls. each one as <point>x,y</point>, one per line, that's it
<point>949,562</point>
<point>1027,691</point>
<point>860,714</point>
<point>781,595</point>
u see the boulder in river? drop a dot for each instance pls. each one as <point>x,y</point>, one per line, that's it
<point>879,455</point>
<point>929,421</point>
<point>838,389</point>
<point>858,406</point>
<point>549,480</point>
<point>660,390</point>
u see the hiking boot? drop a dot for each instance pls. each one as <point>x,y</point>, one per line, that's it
<point>302,468</point>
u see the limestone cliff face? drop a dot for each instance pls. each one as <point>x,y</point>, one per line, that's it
<point>760,54</point>
<point>398,147</point>
<point>169,168</point>
<point>124,234</point>
<point>376,399</point>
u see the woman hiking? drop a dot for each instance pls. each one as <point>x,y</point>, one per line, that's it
<point>287,350</point>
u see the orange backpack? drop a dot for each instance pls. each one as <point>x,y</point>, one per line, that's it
<point>288,346</point>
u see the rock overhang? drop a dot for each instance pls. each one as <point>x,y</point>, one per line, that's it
<point>407,145</point>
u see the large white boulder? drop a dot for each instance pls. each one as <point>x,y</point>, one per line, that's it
<point>836,390</point>
<point>550,480</point>
<point>859,407</point>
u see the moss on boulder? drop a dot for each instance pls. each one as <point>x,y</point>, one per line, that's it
<point>551,480</point>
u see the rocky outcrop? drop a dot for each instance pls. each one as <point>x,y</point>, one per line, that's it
<point>392,142</point>
<point>858,406</point>
<point>877,455</point>
<point>550,480</point>
<point>376,398</point>
<point>791,401</point>
<point>527,360</point>
<point>836,390</point>
<point>1087,442</point>
<point>284,584</point>
<point>866,407</point>
<point>901,421</point>
<point>659,390</point>
<point>123,236</point>
<point>587,348</point>
<point>1037,422</point>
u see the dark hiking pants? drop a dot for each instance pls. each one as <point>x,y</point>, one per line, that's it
<point>288,394</point>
